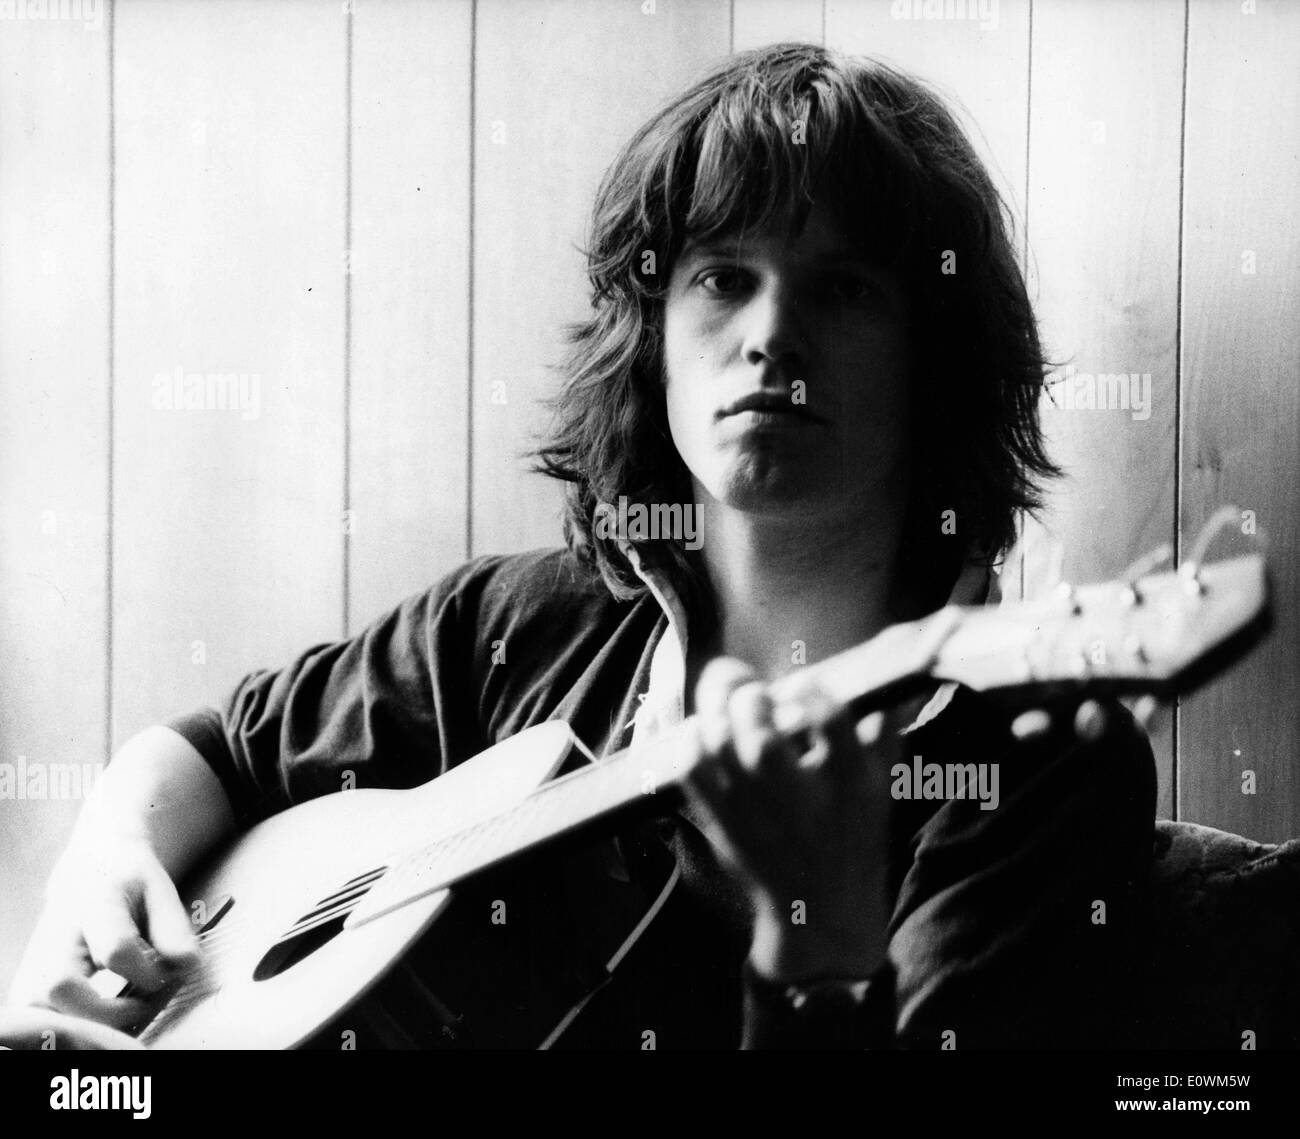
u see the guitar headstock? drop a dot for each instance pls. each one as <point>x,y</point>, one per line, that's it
<point>1162,633</point>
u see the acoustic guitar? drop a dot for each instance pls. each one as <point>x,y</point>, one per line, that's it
<point>370,915</point>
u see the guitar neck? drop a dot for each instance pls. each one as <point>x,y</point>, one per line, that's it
<point>644,776</point>
<point>1153,634</point>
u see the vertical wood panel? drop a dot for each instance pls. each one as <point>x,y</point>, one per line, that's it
<point>559,88</point>
<point>54,171</point>
<point>758,22</point>
<point>1105,127</point>
<point>1241,385</point>
<point>410,297</point>
<point>985,69</point>
<point>230,228</point>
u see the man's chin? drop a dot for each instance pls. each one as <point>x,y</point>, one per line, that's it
<point>779,495</point>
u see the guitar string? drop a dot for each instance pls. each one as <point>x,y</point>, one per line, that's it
<point>231,923</point>
<point>216,944</point>
<point>528,815</point>
<point>216,947</point>
<point>457,853</point>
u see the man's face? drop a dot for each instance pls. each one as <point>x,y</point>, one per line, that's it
<point>816,339</point>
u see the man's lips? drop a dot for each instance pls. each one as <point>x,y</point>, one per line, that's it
<point>778,403</point>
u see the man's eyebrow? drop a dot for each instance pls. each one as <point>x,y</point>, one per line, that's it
<point>718,248</point>
<point>837,257</point>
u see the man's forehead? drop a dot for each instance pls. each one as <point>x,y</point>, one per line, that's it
<point>819,231</point>
<point>810,242</point>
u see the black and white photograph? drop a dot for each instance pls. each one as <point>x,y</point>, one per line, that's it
<point>651,525</point>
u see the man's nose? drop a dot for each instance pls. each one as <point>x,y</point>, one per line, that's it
<point>774,328</point>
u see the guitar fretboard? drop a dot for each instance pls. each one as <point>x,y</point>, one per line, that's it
<point>628,777</point>
<point>550,812</point>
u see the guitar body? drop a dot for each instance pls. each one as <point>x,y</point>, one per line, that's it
<point>490,963</point>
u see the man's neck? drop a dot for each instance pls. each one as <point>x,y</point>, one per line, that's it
<point>791,592</point>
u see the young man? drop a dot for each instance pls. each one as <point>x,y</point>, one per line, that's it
<point>808,321</point>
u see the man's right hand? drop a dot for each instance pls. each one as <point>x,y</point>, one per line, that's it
<point>110,905</point>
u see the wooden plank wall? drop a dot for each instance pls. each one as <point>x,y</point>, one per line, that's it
<point>408,490</point>
<point>1105,133</point>
<point>55,439</point>
<point>231,142</point>
<point>1240,401</point>
<point>375,208</point>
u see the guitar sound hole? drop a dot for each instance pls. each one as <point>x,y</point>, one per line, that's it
<point>318,926</point>
<point>285,954</point>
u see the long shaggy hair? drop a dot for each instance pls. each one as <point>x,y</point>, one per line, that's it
<point>752,146</point>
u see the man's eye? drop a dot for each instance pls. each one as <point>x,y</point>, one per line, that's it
<point>848,287</point>
<point>721,282</point>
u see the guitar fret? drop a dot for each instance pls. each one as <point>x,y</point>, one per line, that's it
<point>590,792</point>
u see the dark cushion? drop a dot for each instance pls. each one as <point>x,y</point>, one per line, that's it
<point>1221,955</point>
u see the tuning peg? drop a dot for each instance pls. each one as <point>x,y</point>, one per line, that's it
<point>1147,563</point>
<point>1090,721</point>
<point>1146,709</point>
<point>1190,571</point>
<point>1134,647</point>
<point>1031,724</point>
<point>1065,591</point>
